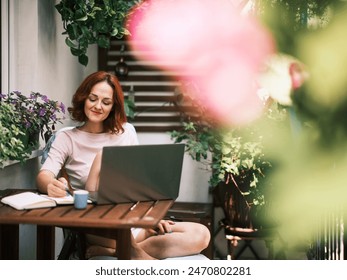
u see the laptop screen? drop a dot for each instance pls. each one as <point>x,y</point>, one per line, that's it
<point>140,173</point>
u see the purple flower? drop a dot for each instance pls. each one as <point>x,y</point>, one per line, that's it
<point>62,107</point>
<point>42,112</point>
<point>27,124</point>
<point>45,98</point>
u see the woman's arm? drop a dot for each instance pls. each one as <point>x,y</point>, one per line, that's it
<point>46,180</point>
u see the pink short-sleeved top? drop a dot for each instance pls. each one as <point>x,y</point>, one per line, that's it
<point>77,149</point>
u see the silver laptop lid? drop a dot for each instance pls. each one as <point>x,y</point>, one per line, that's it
<point>140,173</point>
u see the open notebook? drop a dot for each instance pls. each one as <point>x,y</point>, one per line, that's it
<point>31,200</point>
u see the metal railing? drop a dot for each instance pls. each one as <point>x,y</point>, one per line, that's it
<point>328,244</point>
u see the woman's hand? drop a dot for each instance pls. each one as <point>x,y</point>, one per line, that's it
<point>57,187</point>
<point>164,226</point>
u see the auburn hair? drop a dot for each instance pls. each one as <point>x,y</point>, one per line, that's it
<point>117,117</point>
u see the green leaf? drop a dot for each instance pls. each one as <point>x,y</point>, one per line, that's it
<point>81,15</point>
<point>69,43</point>
<point>84,18</point>
<point>114,32</point>
<point>83,59</point>
<point>76,52</point>
<point>103,42</point>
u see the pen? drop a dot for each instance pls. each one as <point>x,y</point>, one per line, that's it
<point>68,187</point>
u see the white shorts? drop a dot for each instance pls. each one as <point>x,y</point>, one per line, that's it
<point>135,231</point>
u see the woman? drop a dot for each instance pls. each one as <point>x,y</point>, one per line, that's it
<point>99,105</point>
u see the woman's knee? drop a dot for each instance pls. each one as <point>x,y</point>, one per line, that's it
<point>204,235</point>
<point>200,235</point>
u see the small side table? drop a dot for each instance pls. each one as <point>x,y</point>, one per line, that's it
<point>195,212</point>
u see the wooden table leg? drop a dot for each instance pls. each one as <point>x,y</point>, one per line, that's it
<point>124,244</point>
<point>45,246</point>
<point>9,242</point>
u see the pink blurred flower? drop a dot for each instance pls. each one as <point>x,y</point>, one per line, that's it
<point>210,40</point>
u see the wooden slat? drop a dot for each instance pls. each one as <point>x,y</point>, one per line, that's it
<point>118,211</point>
<point>6,210</point>
<point>139,210</point>
<point>37,212</point>
<point>149,88</point>
<point>158,207</point>
<point>102,211</point>
<point>147,78</point>
<point>58,212</point>
<point>171,109</point>
<point>156,98</point>
<point>132,67</point>
<point>167,128</point>
<point>154,119</point>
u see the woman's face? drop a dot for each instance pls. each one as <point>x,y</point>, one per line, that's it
<point>99,103</point>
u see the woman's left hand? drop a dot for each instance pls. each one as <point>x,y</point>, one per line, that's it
<point>164,226</point>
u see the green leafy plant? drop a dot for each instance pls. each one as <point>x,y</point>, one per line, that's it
<point>229,155</point>
<point>93,22</point>
<point>11,135</point>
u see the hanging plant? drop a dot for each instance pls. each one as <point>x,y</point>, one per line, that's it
<point>93,22</point>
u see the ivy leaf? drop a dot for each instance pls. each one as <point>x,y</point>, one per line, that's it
<point>69,43</point>
<point>76,51</point>
<point>114,32</point>
<point>103,42</point>
<point>83,59</point>
<point>82,18</point>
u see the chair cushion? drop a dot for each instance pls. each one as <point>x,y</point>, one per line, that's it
<point>184,258</point>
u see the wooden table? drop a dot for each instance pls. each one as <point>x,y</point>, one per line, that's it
<point>112,221</point>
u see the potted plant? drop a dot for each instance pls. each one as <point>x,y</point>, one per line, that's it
<point>22,119</point>
<point>93,22</point>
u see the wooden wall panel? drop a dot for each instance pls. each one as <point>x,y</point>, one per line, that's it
<point>156,91</point>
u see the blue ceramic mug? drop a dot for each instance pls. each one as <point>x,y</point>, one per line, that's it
<point>80,199</point>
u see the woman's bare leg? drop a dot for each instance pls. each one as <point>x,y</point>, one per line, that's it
<point>186,239</point>
<point>101,246</point>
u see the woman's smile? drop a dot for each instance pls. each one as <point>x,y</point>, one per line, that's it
<point>99,103</point>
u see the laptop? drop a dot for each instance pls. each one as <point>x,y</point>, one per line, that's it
<point>139,173</point>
